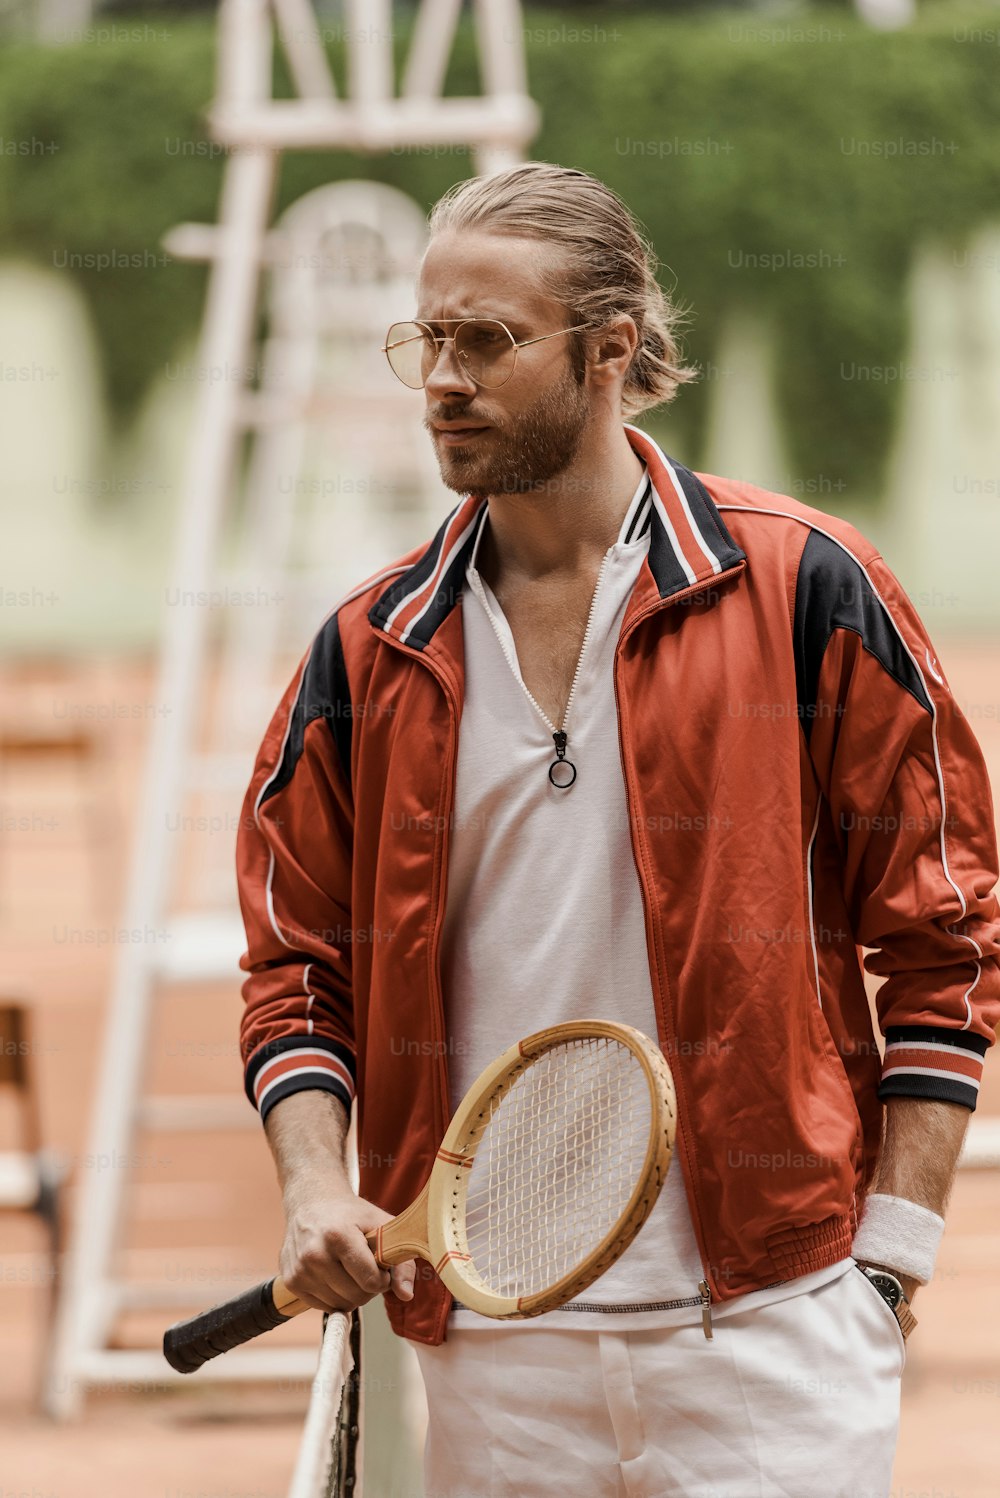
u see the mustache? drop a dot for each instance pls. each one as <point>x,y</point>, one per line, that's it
<point>454,413</point>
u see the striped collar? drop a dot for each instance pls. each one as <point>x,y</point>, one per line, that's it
<point>688,543</point>
<point>633,527</point>
<point>638,516</point>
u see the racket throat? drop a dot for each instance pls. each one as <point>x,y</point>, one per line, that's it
<point>405,1237</point>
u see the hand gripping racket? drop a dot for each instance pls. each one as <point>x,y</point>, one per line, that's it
<point>550,1166</point>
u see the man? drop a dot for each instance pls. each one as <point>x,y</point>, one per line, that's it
<point>629,742</point>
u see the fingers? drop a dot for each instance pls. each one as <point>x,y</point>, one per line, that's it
<point>331,1273</point>
<point>360,1263</point>
<point>403,1277</point>
<point>327,1287</point>
<point>326,1261</point>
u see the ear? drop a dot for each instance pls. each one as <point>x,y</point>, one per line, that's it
<point>610,350</point>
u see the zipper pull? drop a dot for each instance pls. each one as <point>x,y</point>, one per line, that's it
<point>706,1308</point>
<point>559,735</point>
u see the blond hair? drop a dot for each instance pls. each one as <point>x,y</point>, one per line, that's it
<point>609,266</point>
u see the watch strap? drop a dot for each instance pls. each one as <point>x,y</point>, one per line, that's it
<point>905,1317</point>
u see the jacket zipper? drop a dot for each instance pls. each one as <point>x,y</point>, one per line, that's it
<point>437,920</point>
<point>704,1298</point>
<point>559,735</point>
<point>706,1308</point>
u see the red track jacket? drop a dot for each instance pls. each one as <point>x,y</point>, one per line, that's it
<point>801,784</point>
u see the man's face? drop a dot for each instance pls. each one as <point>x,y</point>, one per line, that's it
<point>515,438</point>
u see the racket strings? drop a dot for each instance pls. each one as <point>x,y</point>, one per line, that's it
<point>555,1168</point>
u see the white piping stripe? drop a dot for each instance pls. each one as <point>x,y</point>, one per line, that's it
<point>474,553</point>
<point>934,1045</point>
<point>303,1071</point>
<point>636,508</point>
<point>268,891</point>
<point>415,592</point>
<point>371,582</point>
<point>305,985</point>
<point>269,899</point>
<point>668,527</point>
<point>439,572</point>
<point>303,1050</point>
<point>812,913</point>
<point>363,588</point>
<point>800,520</point>
<point>429,582</point>
<point>285,737</point>
<point>710,555</point>
<point>929,1071</point>
<point>639,526</point>
<point>675,482</point>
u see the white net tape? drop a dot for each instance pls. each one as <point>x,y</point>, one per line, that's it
<point>557,1164</point>
<point>314,1467</point>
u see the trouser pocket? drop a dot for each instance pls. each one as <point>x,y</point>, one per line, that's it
<point>886,1312</point>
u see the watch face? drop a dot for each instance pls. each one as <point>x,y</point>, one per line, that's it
<point>888,1287</point>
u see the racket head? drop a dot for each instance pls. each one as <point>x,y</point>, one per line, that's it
<point>517,1223</point>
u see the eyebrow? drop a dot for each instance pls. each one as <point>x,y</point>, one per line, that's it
<point>514,323</point>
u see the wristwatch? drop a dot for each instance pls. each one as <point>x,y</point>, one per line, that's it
<point>891,1291</point>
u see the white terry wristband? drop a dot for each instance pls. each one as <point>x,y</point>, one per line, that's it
<point>899,1234</point>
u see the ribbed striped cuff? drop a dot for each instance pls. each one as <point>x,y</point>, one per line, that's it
<point>926,1061</point>
<point>297,1063</point>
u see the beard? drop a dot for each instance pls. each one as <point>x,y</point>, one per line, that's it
<point>517,455</point>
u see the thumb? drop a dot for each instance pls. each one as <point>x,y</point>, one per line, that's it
<point>402,1277</point>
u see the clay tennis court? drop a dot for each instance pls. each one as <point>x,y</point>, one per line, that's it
<point>205,1210</point>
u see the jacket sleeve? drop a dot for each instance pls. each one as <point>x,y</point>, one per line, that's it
<point>293,867</point>
<point>910,801</point>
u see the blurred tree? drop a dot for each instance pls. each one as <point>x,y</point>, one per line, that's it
<point>788,166</point>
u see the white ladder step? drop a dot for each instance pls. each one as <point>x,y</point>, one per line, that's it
<point>304,124</point>
<point>138,1367</point>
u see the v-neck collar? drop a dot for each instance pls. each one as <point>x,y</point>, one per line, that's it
<point>688,546</point>
<point>635,522</point>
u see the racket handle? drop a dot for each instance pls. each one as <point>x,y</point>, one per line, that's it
<point>387,1250</point>
<point>189,1344</point>
<point>403,1237</point>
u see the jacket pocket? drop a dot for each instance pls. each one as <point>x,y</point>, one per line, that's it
<point>825,1045</point>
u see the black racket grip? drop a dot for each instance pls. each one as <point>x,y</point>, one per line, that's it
<point>188,1344</point>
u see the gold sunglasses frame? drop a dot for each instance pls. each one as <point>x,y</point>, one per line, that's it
<point>416,322</point>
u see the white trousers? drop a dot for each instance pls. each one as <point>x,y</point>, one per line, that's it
<point>799,1399</point>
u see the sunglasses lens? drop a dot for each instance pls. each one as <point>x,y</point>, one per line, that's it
<point>411,352</point>
<point>487,351</point>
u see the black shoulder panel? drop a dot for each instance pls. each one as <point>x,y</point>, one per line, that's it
<point>324,692</point>
<point>833,592</point>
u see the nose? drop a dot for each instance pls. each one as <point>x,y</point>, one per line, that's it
<point>449,375</point>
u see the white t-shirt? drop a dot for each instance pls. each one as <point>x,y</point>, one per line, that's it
<point>545,920</point>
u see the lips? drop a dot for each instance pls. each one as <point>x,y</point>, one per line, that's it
<point>456,436</point>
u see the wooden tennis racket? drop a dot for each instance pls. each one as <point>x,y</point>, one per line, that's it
<point>550,1166</point>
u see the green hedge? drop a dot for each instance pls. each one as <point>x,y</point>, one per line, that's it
<point>732,135</point>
